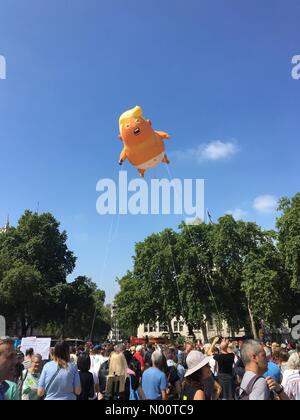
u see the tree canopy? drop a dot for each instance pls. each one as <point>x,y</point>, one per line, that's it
<point>34,293</point>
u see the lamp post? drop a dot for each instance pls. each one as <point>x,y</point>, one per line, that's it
<point>65,321</point>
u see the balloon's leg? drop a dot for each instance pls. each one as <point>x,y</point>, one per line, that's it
<point>142,172</point>
<point>166,160</point>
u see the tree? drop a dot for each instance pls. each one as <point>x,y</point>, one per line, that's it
<point>288,225</point>
<point>23,292</point>
<point>150,293</point>
<point>42,245</point>
<point>155,267</point>
<point>228,260</point>
<point>130,303</point>
<point>34,264</point>
<point>196,279</point>
<point>79,310</point>
<point>264,284</point>
<point>235,243</point>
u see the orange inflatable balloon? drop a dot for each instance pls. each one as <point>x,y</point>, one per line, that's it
<point>143,147</point>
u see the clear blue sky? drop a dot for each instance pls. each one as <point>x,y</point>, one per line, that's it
<point>215,74</point>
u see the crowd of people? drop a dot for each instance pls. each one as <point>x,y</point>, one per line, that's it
<point>221,370</point>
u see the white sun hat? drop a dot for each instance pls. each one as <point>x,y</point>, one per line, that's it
<point>195,361</point>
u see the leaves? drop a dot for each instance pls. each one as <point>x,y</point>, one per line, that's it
<point>229,268</point>
<point>34,264</point>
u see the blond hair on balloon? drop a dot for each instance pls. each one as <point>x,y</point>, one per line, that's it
<point>135,112</point>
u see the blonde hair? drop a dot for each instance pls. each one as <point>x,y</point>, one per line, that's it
<point>117,365</point>
<point>131,113</point>
<point>294,362</point>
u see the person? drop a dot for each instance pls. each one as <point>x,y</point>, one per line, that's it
<point>174,388</point>
<point>154,381</point>
<point>133,390</point>
<point>7,365</point>
<point>60,379</point>
<point>189,345</point>
<point>212,362</point>
<point>103,371</point>
<point>148,355</point>
<point>254,386</point>
<point>27,360</point>
<point>291,378</point>
<point>73,355</point>
<point>273,369</point>
<point>138,355</point>
<point>199,382</point>
<point>30,379</point>
<point>12,394</point>
<point>281,358</point>
<point>117,374</point>
<point>86,378</point>
<point>225,364</point>
<point>96,359</point>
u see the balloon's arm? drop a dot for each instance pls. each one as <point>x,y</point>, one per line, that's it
<point>163,135</point>
<point>122,157</point>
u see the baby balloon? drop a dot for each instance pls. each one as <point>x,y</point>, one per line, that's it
<point>143,146</point>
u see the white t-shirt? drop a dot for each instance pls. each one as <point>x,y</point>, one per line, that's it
<point>260,390</point>
<point>96,382</point>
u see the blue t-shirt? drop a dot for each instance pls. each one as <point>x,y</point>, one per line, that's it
<point>273,371</point>
<point>62,388</point>
<point>153,382</point>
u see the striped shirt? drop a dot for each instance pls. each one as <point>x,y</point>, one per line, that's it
<point>292,387</point>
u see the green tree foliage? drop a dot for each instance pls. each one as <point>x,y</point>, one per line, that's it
<point>34,264</point>
<point>288,225</point>
<point>23,294</point>
<point>150,292</point>
<point>130,302</point>
<point>196,280</point>
<point>233,268</point>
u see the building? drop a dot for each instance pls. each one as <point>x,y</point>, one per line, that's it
<point>179,327</point>
<point>6,226</point>
<point>114,334</point>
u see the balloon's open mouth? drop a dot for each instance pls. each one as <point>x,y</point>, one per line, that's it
<point>136,131</point>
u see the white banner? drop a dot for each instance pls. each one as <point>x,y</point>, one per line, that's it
<point>39,345</point>
<point>2,326</point>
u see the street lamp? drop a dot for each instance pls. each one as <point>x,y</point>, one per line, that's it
<point>65,321</point>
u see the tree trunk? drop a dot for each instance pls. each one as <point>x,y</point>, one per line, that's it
<point>204,332</point>
<point>191,331</point>
<point>253,326</point>
<point>24,327</point>
<point>170,328</point>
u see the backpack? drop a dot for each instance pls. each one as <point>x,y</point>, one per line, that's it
<point>102,375</point>
<point>244,394</point>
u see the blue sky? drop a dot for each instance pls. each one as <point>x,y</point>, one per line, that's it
<point>215,74</point>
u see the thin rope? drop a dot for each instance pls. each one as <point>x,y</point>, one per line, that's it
<point>111,238</point>
<point>196,248</point>
<point>175,273</point>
